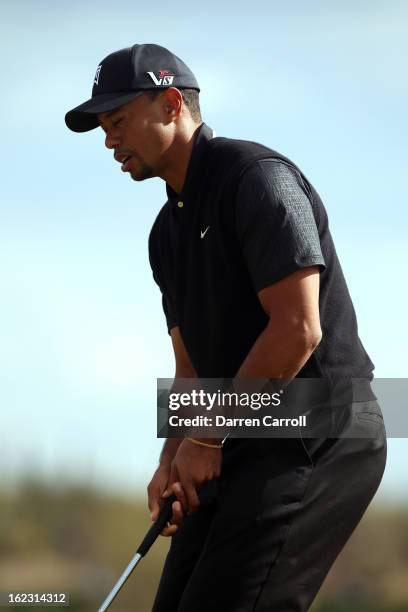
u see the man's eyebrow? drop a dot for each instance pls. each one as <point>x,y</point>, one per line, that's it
<point>113,112</point>
<point>109,115</point>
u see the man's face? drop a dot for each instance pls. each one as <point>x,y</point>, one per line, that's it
<point>139,134</point>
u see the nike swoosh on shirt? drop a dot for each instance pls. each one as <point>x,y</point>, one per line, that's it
<point>202,234</point>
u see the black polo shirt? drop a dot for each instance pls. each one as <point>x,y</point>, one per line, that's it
<point>247,217</point>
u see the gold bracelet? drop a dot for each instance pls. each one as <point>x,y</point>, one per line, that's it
<point>204,443</point>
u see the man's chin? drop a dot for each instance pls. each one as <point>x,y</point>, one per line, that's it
<point>142,176</point>
<point>136,177</point>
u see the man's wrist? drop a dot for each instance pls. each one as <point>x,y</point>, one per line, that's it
<point>207,442</point>
<point>169,451</point>
<point>165,459</point>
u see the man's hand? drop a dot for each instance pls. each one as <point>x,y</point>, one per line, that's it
<point>191,467</point>
<point>155,490</point>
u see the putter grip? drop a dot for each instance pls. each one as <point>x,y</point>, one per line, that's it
<point>158,526</point>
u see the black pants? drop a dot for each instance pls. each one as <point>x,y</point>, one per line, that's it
<point>269,529</point>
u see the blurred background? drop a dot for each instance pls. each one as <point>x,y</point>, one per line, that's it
<point>83,336</point>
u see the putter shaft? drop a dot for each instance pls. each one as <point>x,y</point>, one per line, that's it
<point>150,537</point>
<point>129,569</point>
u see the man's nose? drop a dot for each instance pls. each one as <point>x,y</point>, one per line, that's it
<point>111,140</point>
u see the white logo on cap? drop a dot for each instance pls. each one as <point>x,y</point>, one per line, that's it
<point>166,78</point>
<point>97,73</point>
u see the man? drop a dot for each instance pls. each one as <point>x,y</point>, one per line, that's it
<point>252,288</point>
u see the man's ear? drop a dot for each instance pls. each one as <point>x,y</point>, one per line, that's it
<point>173,101</point>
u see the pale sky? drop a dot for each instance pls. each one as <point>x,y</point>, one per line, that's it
<point>83,337</point>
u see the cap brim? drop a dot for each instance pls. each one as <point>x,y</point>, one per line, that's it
<point>84,117</point>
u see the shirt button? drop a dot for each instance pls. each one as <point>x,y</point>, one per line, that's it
<point>180,204</point>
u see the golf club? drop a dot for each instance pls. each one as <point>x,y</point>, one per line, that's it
<point>154,531</point>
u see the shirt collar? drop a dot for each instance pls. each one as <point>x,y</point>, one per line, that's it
<point>201,136</point>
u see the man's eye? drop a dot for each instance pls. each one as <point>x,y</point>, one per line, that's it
<point>117,121</point>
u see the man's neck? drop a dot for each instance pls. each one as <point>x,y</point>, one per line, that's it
<point>179,155</point>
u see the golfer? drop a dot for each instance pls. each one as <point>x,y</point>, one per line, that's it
<point>251,288</point>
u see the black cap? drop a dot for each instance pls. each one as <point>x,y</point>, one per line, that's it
<point>126,74</point>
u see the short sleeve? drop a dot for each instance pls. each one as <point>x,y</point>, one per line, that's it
<point>154,259</point>
<point>168,309</point>
<point>168,313</point>
<point>275,224</point>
